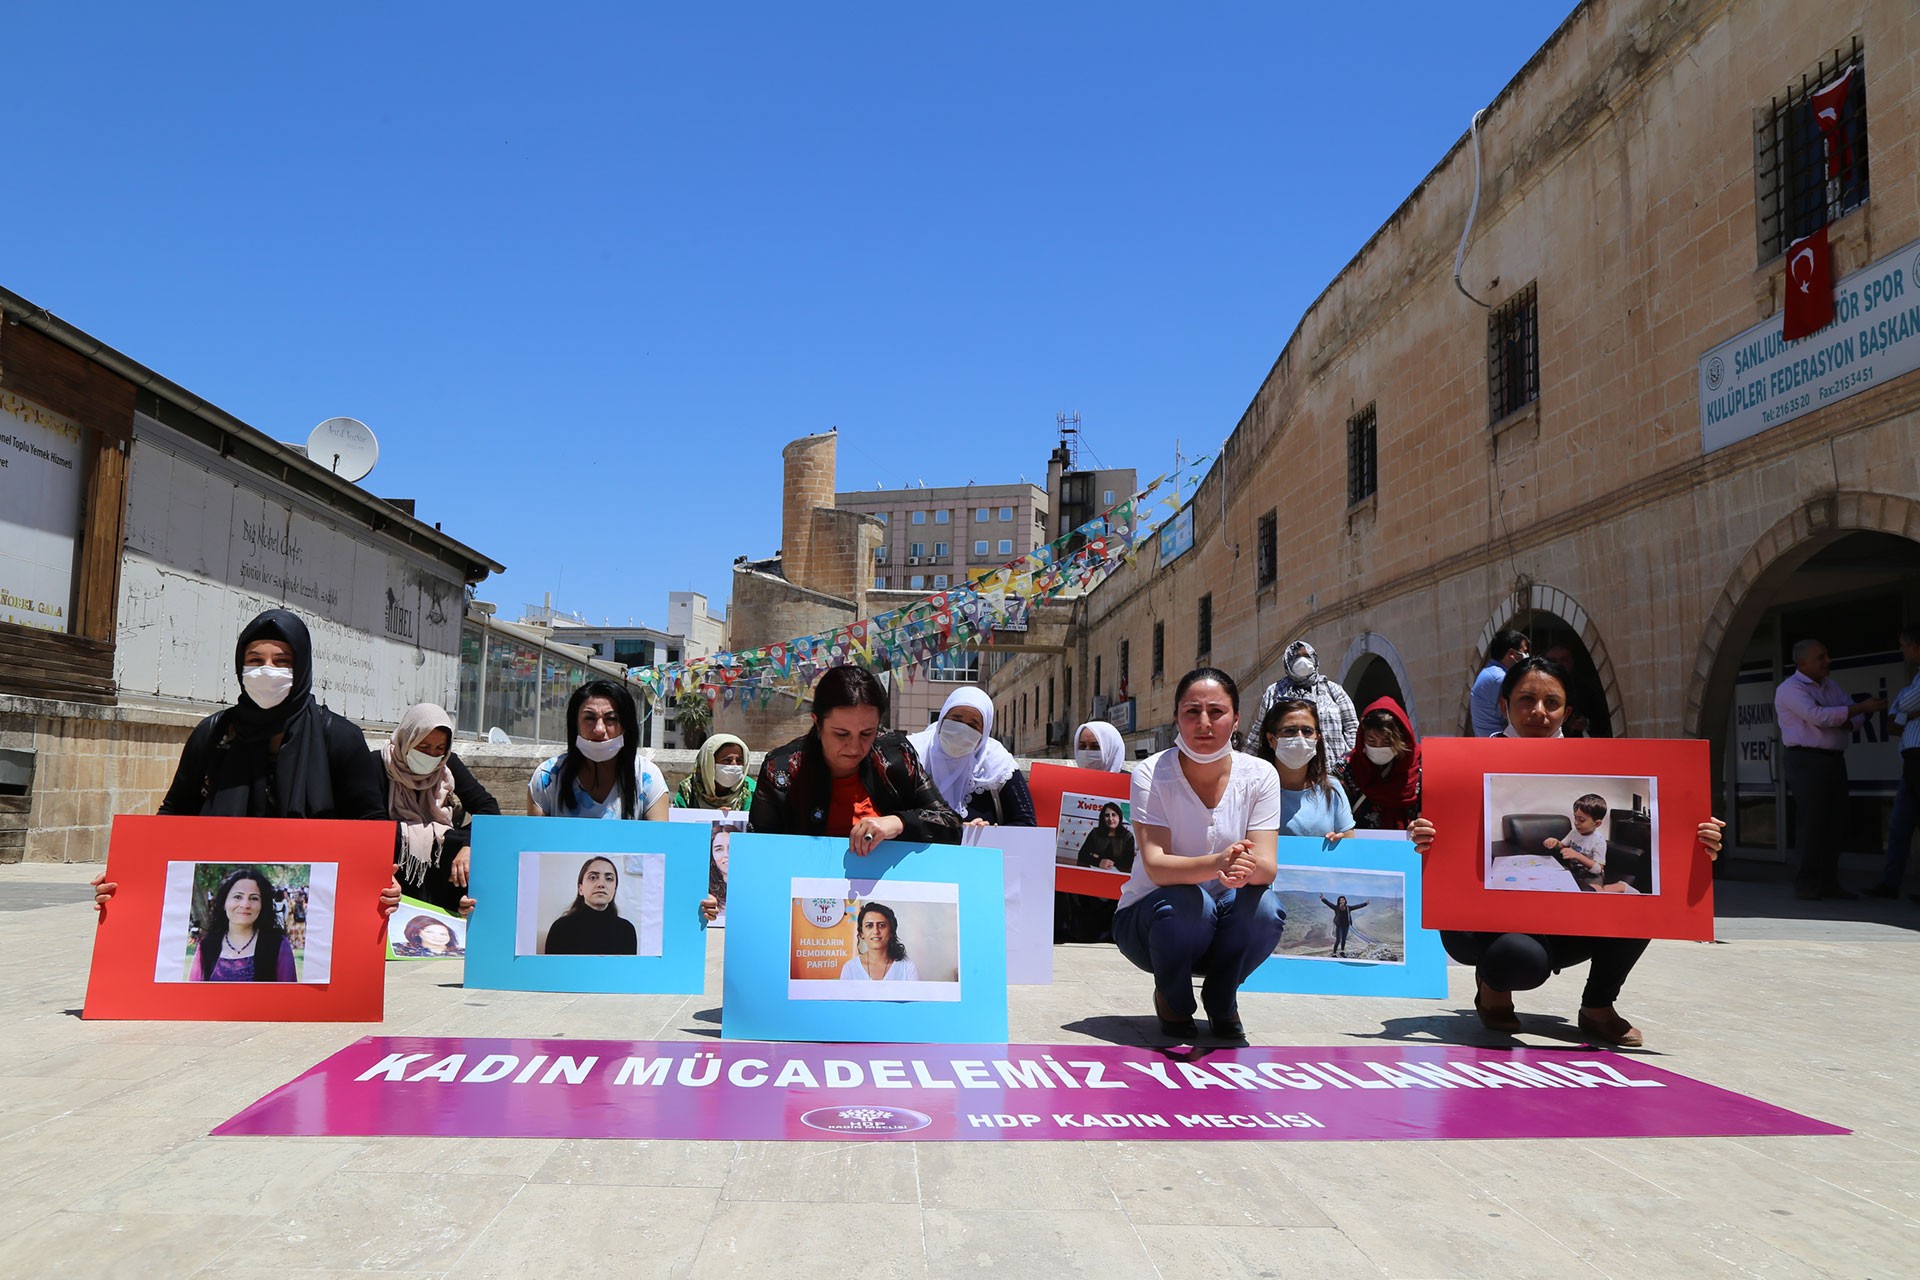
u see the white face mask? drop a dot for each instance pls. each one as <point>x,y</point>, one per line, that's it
<point>729,775</point>
<point>958,739</point>
<point>1094,759</point>
<point>600,752</point>
<point>1382,756</point>
<point>267,686</point>
<point>1226,749</point>
<point>1301,668</point>
<point>422,763</point>
<point>1296,753</point>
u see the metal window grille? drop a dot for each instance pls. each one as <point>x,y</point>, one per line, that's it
<point>1205,645</point>
<point>1793,195</point>
<point>1269,552</point>
<point>1513,354</point>
<point>1363,455</point>
<point>1096,676</point>
<point>1159,649</point>
<point>1126,661</point>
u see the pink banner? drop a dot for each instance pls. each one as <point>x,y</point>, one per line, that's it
<point>458,1087</point>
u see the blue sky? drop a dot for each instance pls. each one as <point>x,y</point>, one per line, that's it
<point>585,269</point>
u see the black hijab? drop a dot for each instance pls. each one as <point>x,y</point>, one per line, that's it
<point>303,783</point>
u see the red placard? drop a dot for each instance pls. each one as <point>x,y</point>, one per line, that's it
<point>1489,869</point>
<point>1051,784</point>
<point>352,860</point>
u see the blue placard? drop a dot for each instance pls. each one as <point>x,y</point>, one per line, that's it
<point>517,862</point>
<point>1386,953</point>
<point>794,965</point>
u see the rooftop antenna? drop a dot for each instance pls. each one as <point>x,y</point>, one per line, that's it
<point>1069,424</point>
<point>344,446</point>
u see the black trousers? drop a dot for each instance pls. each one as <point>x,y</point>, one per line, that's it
<point>1523,961</point>
<point>1818,781</point>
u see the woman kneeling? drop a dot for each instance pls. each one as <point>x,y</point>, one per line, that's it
<point>1206,822</point>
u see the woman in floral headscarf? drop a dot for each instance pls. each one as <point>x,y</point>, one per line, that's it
<point>433,796</point>
<point>719,779</point>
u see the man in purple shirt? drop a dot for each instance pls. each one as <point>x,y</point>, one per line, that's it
<point>1816,719</point>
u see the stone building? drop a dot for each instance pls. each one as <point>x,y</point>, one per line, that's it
<point>939,538</point>
<point>817,581</point>
<point>1568,442</point>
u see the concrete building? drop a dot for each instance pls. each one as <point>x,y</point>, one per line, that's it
<point>1077,494</point>
<point>687,617</point>
<point>1606,444</point>
<point>140,529</point>
<point>937,538</point>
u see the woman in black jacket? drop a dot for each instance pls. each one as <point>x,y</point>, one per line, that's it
<point>433,796</point>
<point>276,752</point>
<point>847,778</point>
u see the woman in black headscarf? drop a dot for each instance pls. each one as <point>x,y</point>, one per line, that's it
<point>275,753</point>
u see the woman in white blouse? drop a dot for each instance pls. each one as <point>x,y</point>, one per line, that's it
<point>1206,820</point>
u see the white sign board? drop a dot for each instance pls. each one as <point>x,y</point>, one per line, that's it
<point>1759,380</point>
<point>42,470</point>
<point>211,544</point>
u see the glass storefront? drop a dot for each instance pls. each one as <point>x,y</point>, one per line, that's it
<point>516,684</point>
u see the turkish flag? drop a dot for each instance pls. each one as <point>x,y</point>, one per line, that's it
<point>1809,286</point>
<point>1830,113</point>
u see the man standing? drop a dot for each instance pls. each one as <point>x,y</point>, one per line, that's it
<point>1816,719</point>
<point>1906,801</point>
<point>1507,648</point>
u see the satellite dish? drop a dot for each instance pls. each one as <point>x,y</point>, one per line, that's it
<point>344,446</point>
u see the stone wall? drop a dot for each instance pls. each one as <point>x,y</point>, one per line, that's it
<point>90,762</point>
<point>1619,180</point>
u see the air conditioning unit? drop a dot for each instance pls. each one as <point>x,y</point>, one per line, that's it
<point>913,559</point>
<point>1056,733</point>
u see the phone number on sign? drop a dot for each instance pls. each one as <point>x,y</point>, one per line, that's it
<point>1854,379</point>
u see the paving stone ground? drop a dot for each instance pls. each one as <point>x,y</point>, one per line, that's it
<point>106,1168</point>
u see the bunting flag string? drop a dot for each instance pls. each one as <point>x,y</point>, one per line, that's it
<point>908,640</point>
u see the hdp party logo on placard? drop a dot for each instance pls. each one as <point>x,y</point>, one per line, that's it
<point>824,913</point>
<point>865,1119</point>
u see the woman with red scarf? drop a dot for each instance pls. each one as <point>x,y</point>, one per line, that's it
<point>1382,772</point>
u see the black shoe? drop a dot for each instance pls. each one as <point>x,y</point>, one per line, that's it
<point>1185,1030</point>
<point>1881,891</point>
<point>1224,1024</point>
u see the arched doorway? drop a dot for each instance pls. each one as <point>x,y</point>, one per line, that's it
<point>1820,575</point>
<point>1557,627</point>
<point>1372,669</point>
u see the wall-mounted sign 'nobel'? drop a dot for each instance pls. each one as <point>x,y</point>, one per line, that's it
<point>1760,380</point>
<point>40,477</point>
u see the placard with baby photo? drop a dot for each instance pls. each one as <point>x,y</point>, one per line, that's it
<point>1581,836</point>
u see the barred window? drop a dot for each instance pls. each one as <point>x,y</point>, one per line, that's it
<point>1363,455</point>
<point>1513,354</point>
<point>1126,662</point>
<point>1205,645</point>
<point>1159,650</point>
<point>1268,558</point>
<point>1806,176</point>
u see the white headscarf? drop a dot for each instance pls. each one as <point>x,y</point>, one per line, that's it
<point>959,777</point>
<point>1113,751</point>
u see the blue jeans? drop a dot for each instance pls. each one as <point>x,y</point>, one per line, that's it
<point>1180,930</point>
<point>1906,816</point>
